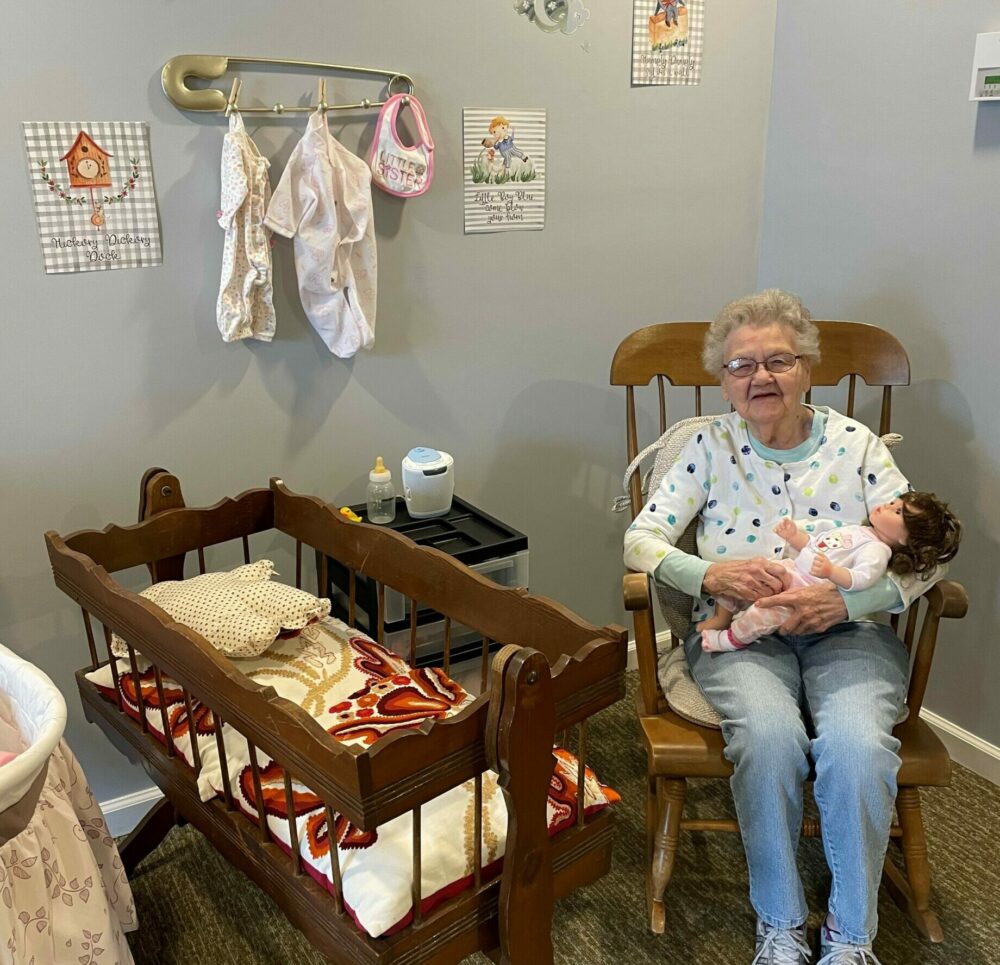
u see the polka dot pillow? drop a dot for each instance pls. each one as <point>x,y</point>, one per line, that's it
<point>240,612</point>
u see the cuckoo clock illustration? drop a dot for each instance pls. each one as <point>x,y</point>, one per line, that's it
<point>88,167</point>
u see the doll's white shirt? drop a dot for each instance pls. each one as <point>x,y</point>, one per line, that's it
<point>856,548</point>
<point>245,307</point>
<point>324,202</point>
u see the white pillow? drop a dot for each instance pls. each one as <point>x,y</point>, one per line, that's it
<point>240,612</point>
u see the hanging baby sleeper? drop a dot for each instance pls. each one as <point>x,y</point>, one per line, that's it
<point>324,202</point>
<point>245,308</point>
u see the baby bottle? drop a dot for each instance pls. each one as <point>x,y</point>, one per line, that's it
<point>381,495</point>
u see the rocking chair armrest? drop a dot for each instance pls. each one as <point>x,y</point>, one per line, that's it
<point>639,599</point>
<point>948,599</point>
<point>637,591</point>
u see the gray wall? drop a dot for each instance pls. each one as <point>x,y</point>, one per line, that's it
<point>881,205</point>
<point>495,348</point>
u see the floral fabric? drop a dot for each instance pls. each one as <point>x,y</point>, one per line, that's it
<point>64,896</point>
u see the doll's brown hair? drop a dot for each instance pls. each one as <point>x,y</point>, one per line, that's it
<point>933,534</point>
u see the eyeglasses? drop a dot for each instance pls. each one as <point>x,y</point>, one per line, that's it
<point>775,364</point>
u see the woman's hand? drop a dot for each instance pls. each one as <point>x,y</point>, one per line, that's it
<point>746,580</point>
<point>814,608</point>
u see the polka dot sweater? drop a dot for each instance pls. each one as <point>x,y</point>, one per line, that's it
<point>738,497</point>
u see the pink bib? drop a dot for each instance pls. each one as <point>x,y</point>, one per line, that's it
<point>403,170</point>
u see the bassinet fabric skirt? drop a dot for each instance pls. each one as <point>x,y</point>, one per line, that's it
<point>64,896</point>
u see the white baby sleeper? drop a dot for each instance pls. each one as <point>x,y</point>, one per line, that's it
<point>324,202</point>
<point>245,308</point>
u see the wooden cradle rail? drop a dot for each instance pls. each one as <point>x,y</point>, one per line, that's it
<point>554,672</point>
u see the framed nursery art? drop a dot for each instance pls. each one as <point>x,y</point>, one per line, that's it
<point>92,187</point>
<point>504,169</point>
<point>667,41</point>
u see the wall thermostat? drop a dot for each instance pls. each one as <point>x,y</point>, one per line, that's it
<point>986,68</point>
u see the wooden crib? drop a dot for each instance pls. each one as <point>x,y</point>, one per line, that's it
<point>553,673</point>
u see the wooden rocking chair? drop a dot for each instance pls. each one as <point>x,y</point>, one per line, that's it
<point>677,749</point>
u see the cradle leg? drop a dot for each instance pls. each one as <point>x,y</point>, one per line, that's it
<point>147,834</point>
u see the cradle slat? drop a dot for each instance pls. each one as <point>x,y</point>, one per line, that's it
<point>447,644</point>
<point>246,549</point>
<point>852,383</point>
<point>257,792</point>
<point>90,638</point>
<point>298,564</point>
<point>323,575</point>
<point>417,875</point>
<point>193,731</point>
<point>661,392</point>
<point>484,669</point>
<point>477,840</point>
<point>164,719</point>
<point>352,591</point>
<point>380,596</point>
<point>113,664</point>
<point>293,834</point>
<point>413,632</point>
<point>137,681</point>
<point>581,773</point>
<point>201,559</point>
<point>227,791</point>
<point>338,881</point>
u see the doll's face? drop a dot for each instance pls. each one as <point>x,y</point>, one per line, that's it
<point>889,523</point>
<point>500,131</point>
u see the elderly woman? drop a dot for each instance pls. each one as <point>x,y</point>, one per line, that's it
<point>830,683</point>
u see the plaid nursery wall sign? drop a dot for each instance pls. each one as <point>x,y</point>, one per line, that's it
<point>667,41</point>
<point>92,187</point>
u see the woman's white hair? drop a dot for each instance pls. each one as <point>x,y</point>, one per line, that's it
<point>765,308</point>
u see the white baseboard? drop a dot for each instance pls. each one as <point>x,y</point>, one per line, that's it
<point>964,747</point>
<point>125,812</point>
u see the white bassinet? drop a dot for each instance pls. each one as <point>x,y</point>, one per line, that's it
<point>64,896</point>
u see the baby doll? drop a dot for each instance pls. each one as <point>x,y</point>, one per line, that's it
<point>909,536</point>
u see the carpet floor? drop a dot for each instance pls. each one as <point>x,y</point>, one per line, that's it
<point>194,908</point>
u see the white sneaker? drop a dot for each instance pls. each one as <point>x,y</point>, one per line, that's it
<point>833,950</point>
<point>781,946</point>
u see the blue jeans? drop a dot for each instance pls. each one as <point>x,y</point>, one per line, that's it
<point>833,697</point>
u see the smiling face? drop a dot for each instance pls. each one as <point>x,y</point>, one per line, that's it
<point>889,523</point>
<point>771,403</point>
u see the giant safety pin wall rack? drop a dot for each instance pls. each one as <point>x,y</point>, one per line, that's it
<point>177,70</point>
